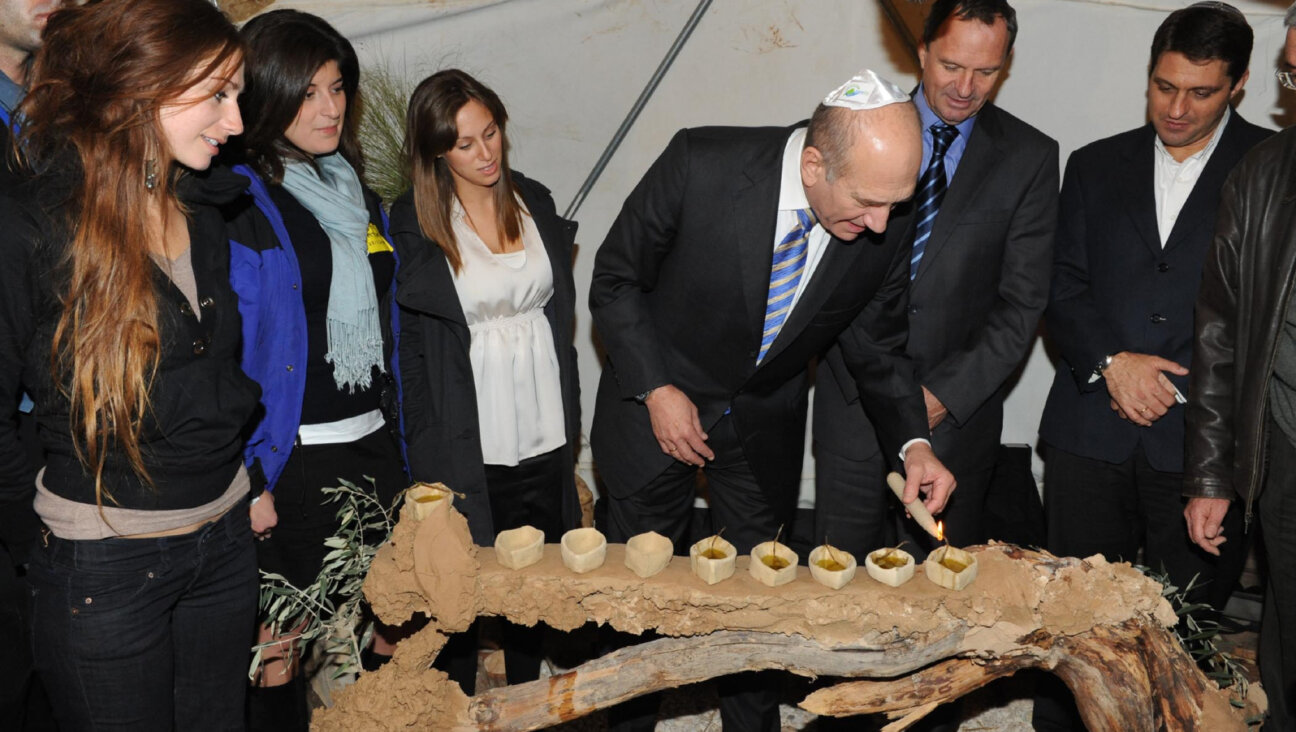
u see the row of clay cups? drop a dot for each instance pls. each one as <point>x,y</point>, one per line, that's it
<point>773,564</point>
<point>714,559</point>
<point>583,550</point>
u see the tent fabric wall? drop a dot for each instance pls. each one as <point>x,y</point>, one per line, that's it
<point>569,70</point>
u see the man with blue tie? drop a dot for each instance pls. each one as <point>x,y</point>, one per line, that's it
<point>741,254</point>
<point>980,235</point>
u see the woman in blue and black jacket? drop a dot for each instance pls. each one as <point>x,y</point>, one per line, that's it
<point>314,273</point>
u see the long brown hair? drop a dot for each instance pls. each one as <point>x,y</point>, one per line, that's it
<point>430,131</point>
<point>100,78</point>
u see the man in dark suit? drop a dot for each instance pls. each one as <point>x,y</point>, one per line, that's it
<point>980,266</point>
<point>1136,220</point>
<point>741,254</point>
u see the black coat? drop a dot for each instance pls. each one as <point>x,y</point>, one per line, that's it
<point>1115,288</point>
<point>1247,283</point>
<point>678,297</point>
<point>974,307</point>
<point>439,398</point>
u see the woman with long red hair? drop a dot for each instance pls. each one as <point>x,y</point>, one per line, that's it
<point>117,316</point>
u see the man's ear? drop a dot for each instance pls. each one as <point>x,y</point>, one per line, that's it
<point>812,166</point>
<point>1237,88</point>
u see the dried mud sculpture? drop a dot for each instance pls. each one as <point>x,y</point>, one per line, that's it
<point>1102,628</point>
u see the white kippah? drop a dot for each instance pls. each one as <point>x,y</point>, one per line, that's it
<point>866,90</point>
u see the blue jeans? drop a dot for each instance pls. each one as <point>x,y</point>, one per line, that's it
<point>147,634</point>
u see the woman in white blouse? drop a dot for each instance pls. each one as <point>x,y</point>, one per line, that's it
<point>488,368</point>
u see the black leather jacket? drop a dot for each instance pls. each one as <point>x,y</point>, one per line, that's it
<point>1245,288</point>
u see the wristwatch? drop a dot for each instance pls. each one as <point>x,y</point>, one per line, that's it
<point>1103,364</point>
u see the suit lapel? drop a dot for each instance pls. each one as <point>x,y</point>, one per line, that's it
<point>979,157</point>
<point>1137,186</point>
<point>753,217</point>
<point>1204,198</point>
<point>833,265</point>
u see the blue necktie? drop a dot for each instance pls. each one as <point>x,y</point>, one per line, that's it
<point>785,273</point>
<point>931,191</point>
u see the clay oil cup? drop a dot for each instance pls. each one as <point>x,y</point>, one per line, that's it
<point>584,550</point>
<point>428,497</point>
<point>773,564</point>
<point>951,567</point>
<point>832,567</point>
<point>520,547</point>
<point>713,559</point>
<point>648,553</point>
<point>892,567</point>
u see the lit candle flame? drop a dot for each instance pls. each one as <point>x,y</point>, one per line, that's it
<point>940,531</point>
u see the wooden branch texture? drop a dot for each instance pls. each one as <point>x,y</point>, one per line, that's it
<point>1100,627</point>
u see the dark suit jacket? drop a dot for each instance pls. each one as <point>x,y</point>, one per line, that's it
<point>1116,289</point>
<point>678,297</point>
<point>976,302</point>
<point>439,398</point>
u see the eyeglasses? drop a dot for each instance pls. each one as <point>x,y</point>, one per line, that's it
<point>1286,79</point>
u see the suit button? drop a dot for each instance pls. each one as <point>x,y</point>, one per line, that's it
<point>206,302</point>
<point>289,367</point>
<point>199,347</point>
<point>1158,318</point>
<point>185,309</point>
<point>1163,267</point>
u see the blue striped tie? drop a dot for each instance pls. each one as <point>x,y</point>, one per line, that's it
<point>785,273</point>
<point>931,191</point>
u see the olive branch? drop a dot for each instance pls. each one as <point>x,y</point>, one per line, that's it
<point>331,608</point>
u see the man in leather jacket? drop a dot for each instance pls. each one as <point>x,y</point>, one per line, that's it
<point>1240,415</point>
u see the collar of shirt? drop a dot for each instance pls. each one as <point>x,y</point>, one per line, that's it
<point>792,198</point>
<point>792,195</point>
<point>10,93</point>
<point>928,118</point>
<point>1173,181</point>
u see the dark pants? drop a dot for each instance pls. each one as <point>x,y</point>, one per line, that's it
<point>1276,509</point>
<point>1095,507</point>
<point>852,503</point>
<point>749,515</point>
<point>529,493</point>
<point>147,634</point>
<point>295,548</point>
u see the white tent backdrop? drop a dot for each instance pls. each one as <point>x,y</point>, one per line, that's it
<point>569,71</point>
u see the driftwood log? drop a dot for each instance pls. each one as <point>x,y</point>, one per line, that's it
<point>1102,628</point>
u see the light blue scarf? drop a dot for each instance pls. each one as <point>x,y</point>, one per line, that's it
<point>336,200</point>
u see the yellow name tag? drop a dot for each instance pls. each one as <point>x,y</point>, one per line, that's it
<point>376,241</point>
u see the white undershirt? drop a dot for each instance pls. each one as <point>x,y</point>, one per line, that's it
<point>1174,180</point>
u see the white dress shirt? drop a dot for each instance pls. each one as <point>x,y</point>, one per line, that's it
<point>1175,180</point>
<point>792,198</point>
